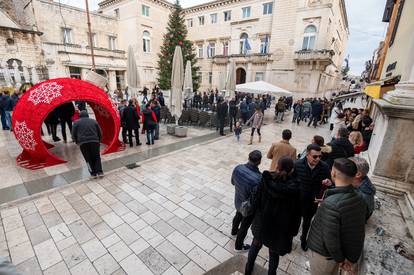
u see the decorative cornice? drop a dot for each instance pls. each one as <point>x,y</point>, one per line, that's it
<point>20,30</point>
<point>210,5</point>
<point>107,3</point>
<point>244,21</point>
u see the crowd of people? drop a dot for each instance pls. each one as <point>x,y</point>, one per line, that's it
<point>327,191</point>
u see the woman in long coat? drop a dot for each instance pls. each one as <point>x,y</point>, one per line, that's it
<point>277,215</point>
<point>256,120</point>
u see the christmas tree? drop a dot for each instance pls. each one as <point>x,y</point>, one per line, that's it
<point>176,35</point>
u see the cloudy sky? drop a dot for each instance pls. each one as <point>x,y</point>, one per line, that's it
<point>365,27</point>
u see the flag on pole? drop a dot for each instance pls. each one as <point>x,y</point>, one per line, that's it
<point>247,47</point>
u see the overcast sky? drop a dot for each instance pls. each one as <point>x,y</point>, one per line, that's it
<point>365,27</point>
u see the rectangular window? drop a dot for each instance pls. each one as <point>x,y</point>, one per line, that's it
<point>116,11</point>
<point>213,18</point>
<point>75,72</point>
<point>94,41</point>
<point>210,77</point>
<point>112,42</point>
<point>264,45</point>
<point>259,76</point>
<point>227,15</point>
<point>226,48</point>
<point>201,20</point>
<point>67,36</point>
<point>267,8</point>
<point>145,10</point>
<point>200,51</point>
<point>308,42</point>
<point>200,76</point>
<point>189,23</point>
<point>211,50</point>
<point>246,12</point>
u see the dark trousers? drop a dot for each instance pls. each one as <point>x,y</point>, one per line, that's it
<point>63,122</point>
<point>90,152</point>
<point>3,119</point>
<point>258,131</point>
<point>253,251</point>
<point>245,117</point>
<point>136,133</point>
<point>221,125</point>
<point>232,122</point>
<point>315,120</point>
<point>308,211</point>
<point>124,135</point>
<point>240,227</point>
<point>150,136</point>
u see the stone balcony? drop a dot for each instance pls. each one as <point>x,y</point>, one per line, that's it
<point>323,57</point>
<point>85,50</point>
<point>255,58</point>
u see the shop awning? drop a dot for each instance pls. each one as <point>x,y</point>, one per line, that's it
<point>377,89</point>
<point>373,91</point>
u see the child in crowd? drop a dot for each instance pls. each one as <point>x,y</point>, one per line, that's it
<point>237,130</point>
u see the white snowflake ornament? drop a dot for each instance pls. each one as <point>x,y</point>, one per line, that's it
<point>45,93</point>
<point>25,135</point>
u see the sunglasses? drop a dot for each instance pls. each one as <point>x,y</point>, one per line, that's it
<point>316,156</point>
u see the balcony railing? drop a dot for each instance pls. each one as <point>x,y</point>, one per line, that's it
<point>323,55</point>
<point>253,58</point>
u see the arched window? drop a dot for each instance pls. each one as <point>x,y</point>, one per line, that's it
<point>244,43</point>
<point>146,42</point>
<point>309,38</point>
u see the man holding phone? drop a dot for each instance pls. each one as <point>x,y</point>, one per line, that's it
<point>313,176</point>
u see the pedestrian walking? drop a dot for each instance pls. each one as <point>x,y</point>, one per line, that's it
<point>245,178</point>
<point>337,234</point>
<point>130,121</point>
<point>6,108</point>
<point>88,135</point>
<point>65,113</point>
<point>312,174</point>
<point>317,110</point>
<point>307,110</point>
<point>232,113</point>
<point>281,149</point>
<point>297,112</point>
<point>277,215</point>
<point>363,184</point>
<point>157,110</point>
<point>256,120</point>
<point>52,122</point>
<point>280,109</point>
<point>237,131</point>
<point>222,111</point>
<point>244,110</point>
<point>149,120</point>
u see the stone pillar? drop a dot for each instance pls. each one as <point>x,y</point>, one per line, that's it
<point>111,80</point>
<point>83,73</point>
<point>392,146</point>
<point>249,72</point>
<point>268,73</point>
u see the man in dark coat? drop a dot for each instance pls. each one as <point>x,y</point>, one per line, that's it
<point>65,113</point>
<point>88,135</point>
<point>244,110</point>
<point>341,147</point>
<point>317,110</point>
<point>245,178</point>
<point>6,108</point>
<point>232,113</point>
<point>337,234</point>
<point>130,120</point>
<point>313,176</point>
<point>222,110</point>
<point>3,104</point>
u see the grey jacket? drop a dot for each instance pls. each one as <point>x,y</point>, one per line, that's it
<point>256,119</point>
<point>86,130</point>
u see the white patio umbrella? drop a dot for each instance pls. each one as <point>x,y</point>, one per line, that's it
<point>133,76</point>
<point>261,88</point>
<point>188,81</point>
<point>231,80</point>
<point>35,76</point>
<point>6,74</point>
<point>26,74</point>
<point>16,72</point>
<point>177,81</point>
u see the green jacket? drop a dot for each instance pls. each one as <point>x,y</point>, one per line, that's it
<point>338,229</point>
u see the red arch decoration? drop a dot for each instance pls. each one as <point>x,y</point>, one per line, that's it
<point>34,106</point>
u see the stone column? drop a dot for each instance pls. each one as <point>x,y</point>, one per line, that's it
<point>111,80</point>
<point>83,73</point>
<point>249,72</point>
<point>391,150</point>
<point>268,73</point>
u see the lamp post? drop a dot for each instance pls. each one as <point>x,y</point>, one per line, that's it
<point>90,35</point>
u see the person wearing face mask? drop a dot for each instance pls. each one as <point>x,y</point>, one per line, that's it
<point>313,176</point>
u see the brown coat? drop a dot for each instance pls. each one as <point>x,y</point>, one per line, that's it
<point>279,150</point>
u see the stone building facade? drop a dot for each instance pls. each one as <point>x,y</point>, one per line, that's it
<point>298,45</point>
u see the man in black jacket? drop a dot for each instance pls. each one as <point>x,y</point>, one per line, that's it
<point>313,176</point>
<point>222,110</point>
<point>65,113</point>
<point>130,120</point>
<point>337,234</point>
<point>232,113</point>
<point>317,109</point>
<point>341,147</point>
<point>87,134</point>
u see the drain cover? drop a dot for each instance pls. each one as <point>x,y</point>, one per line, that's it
<point>132,165</point>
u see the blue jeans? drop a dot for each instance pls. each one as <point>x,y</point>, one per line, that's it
<point>3,119</point>
<point>9,119</point>
<point>150,136</point>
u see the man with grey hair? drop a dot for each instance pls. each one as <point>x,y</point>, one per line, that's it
<point>363,184</point>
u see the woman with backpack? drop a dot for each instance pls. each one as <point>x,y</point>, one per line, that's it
<point>277,215</point>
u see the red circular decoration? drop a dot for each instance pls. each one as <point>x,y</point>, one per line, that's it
<point>34,106</point>
<point>180,43</point>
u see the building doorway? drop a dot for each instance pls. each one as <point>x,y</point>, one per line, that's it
<point>240,76</point>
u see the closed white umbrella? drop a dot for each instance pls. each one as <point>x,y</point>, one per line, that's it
<point>6,74</point>
<point>177,81</point>
<point>231,80</point>
<point>26,74</point>
<point>188,80</point>
<point>16,72</point>
<point>133,76</point>
<point>35,76</point>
